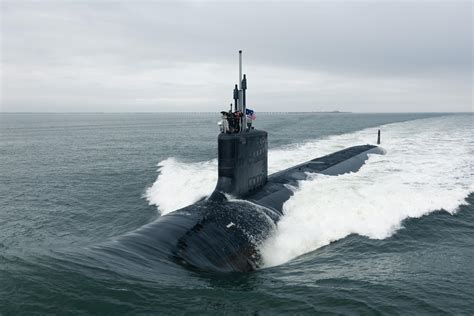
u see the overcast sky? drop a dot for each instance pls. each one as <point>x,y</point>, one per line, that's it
<point>141,56</point>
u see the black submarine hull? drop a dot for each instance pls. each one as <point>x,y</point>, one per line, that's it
<point>223,234</point>
<point>224,231</point>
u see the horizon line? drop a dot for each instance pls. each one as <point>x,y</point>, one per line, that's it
<point>264,112</point>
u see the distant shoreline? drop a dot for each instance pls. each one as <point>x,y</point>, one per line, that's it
<point>263,112</point>
<point>176,112</point>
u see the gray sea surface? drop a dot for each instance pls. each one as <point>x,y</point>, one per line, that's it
<point>70,182</point>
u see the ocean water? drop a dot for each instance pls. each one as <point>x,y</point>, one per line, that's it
<point>395,237</point>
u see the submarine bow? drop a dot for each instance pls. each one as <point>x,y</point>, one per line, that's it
<point>224,231</point>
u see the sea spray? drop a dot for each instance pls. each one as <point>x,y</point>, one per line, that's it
<point>427,167</point>
<point>180,184</point>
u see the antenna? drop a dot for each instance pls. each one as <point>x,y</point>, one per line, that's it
<point>240,69</point>
<point>244,105</point>
<point>236,97</point>
<point>242,87</point>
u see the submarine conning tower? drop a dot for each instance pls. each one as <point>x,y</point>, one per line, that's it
<point>242,149</point>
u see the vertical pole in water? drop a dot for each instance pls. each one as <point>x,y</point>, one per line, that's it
<point>378,138</point>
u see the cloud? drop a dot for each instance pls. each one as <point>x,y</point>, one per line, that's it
<point>181,56</point>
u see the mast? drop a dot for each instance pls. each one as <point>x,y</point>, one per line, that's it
<point>236,98</point>
<point>239,97</point>
<point>240,69</point>
<point>242,88</point>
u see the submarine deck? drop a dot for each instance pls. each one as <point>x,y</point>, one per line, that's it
<point>277,189</point>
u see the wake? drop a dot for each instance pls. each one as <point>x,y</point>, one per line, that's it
<point>428,166</point>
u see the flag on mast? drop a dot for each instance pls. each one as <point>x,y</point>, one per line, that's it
<point>250,114</point>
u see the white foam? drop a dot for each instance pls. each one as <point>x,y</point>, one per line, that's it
<point>428,166</point>
<point>180,184</point>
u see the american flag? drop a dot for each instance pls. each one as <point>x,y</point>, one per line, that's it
<point>250,114</point>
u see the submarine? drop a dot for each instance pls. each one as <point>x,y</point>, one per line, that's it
<point>223,232</point>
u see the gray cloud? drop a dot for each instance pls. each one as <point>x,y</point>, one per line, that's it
<point>178,56</point>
